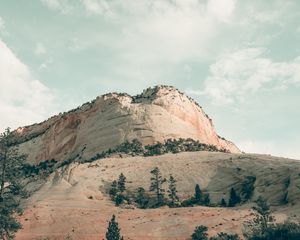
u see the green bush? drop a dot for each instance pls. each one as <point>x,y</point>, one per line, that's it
<point>247,187</point>
<point>200,233</point>
<point>225,236</point>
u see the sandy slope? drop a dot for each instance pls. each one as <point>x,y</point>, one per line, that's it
<point>74,201</point>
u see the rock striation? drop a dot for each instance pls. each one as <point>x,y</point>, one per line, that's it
<point>157,114</point>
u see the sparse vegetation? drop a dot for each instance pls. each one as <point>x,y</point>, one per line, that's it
<point>225,236</point>
<point>11,186</point>
<point>117,191</point>
<point>141,199</point>
<point>135,148</point>
<point>234,198</point>
<point>263,227</point>
<point>43,168</point>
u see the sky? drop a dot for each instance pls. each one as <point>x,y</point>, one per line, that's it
<point>240,60</point>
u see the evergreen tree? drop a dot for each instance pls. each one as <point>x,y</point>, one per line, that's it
<point>172,191</point>
<point>117,190</point>
<point>11,188</point>
<point>223,203</point>
<point>121,183</point>
<point>200,233</point>
<point>234,198</point>
<point>113,230</point>
<point>113,190</point>
<point>119,199</point>
<point>156,186</point>
<point>247,187</point>
<point>141,198</point>
<point>198,194</point>
<point>206,199</point>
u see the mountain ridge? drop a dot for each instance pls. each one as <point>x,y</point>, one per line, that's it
<point>155,115</point>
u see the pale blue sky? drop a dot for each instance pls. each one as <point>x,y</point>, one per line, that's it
<point>239,59</point>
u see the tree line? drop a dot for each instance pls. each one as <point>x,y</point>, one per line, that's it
<point>135,148</point>
<point>156,195</point>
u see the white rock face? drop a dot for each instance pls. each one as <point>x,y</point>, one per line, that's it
<point>157,114</point>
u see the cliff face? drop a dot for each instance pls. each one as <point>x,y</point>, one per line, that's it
<point>157,114</point>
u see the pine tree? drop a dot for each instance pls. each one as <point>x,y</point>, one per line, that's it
<point>206,199</point>
<point>223,203</point>
<point>234,198</point>
<point>118,188</point>
<point>11,188</point>
<point>200,233</point>
<point>113,190</point>
<point>113,230</point>
<point>172,191</point>
<point>141,198</point>
<point>156,186</point>
<point>122,183</point>
<point>198,194</point>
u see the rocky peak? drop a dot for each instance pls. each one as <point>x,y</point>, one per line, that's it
<point>155,115</point>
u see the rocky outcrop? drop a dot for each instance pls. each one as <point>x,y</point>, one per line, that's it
<point>157,114</point>
<point>74,202</point>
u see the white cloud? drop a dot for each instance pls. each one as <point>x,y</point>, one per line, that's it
<point>237,74</point>
<point>96,6</point>
<point>290,149</point>
<point>64,6</point>
<point>23,99</point>
<point>40,49</point>
<point>221,9</point>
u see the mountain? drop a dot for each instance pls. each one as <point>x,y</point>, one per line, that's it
<point>158,114</point>
<point>93,144</point>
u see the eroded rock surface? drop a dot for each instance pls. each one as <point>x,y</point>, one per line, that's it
<point>157,114</point>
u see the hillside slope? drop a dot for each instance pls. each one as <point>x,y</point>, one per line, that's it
<point>74,200</point>
<point>157,114</point>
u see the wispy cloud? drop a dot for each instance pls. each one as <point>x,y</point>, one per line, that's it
<point>64,6</point>
<point>235,75</point>
<point>23,99</point>
<point>3,29</point>
<point>2,25</point>
<point>97,6</point>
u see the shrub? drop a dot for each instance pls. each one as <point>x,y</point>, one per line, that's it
<point>141,198</point>
<point>225,236</point>
<point>247,187</point>
<point>234,198</point>
<point>200,233</point>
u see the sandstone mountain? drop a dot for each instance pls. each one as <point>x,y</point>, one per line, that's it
<point>70,199</point>
<point>157,114</point>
